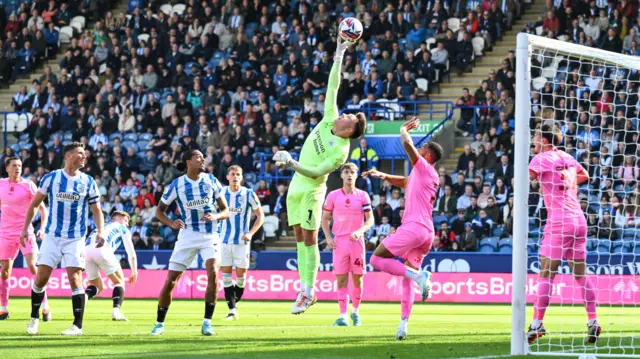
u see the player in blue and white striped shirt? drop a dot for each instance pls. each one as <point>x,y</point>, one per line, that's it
<point>236,236</point>
<point>70,194</point>
<point>117,234</point>
<point>197,195</point>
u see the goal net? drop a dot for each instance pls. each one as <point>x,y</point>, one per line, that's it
<point>591,96</point>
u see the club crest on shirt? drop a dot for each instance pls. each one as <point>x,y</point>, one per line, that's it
<point>332,142</point>
<point>80,187</point>
<point>206,188</point>
<point>240,200</point>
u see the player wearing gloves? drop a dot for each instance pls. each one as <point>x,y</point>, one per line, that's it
<point>325,150</point>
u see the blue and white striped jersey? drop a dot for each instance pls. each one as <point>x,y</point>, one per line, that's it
<point>241,204</point>
<point>69,200</point>
<point>115,234</point>
<point>195,198</point>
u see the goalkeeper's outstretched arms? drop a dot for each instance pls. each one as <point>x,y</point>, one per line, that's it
<point>331,106</point>
<point>330,164</point>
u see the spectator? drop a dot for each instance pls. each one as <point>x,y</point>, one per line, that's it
<point>384,228</point>
<point>447,203</point>
<point>466,113</point>
<point>482,225</point>
<point>468,239</point>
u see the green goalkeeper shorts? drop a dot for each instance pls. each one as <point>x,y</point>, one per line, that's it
<point>305,209</point>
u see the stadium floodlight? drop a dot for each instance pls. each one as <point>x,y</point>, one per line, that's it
<point>565,85</point>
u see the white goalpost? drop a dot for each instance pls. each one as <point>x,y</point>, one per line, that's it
<point>592,96</point>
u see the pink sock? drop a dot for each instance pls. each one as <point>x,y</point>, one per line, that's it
<point>389,265</point>
<point>545,288</point>
<point>356,297</point>
<point>343,300</point>
<point>589,295</point>
<point>407,297</point>
<point>4,292</point>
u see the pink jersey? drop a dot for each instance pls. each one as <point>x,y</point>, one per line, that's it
<point>557,172</point>
<point>422,188</point>
<point>348,210</point>
<point>14,202</point>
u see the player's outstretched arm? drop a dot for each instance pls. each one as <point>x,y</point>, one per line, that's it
<point>327,166</point>
<point>330,103</point>
<point>397,181</point>
<point>406,140</point>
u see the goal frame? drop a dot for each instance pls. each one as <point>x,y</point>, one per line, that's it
<point>524,49</point>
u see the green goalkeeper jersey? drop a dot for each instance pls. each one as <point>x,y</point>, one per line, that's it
<point>323,149</point>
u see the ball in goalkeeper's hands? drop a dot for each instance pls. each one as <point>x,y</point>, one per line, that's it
<point>282,158</point>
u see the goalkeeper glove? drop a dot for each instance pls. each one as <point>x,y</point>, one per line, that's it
<point>282,158</point>
<point>341,48</point>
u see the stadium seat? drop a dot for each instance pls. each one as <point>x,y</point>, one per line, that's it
<point>270,226</point>
<point>539,82</point>
<point>505,242</point>
<point>453,24</point>
<point>24,137</point>
<point>431,43</point>
<point>131,137</point>
<point>179,8</point>
<point>145,137</point>
<point>539,30</point>
<point>618,250</point>
<point>604,243</point>
<point>505,249</point>
<point>478,46</point>
<point>17,122</point>
<point>486,249</point>
<point>489,241</point>
<point>145,38</point>
<point>437,220</point>
<point>497,232</point>
<point>592,244</point>
<point>66,33</point>
<point>80,20</point>
<point>637,250</point>
<point>142,145</point>
<point>602,250</point>
<point>423,85</point>
<point>113,136</point>
<point>167,9</point>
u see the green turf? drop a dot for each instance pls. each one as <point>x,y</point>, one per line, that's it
<point>268,330</point>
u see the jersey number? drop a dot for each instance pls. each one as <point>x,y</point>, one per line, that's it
<point>310,215</point>
<point>358,262</point>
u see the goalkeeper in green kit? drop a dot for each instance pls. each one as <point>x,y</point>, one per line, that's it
<point>324,151</point>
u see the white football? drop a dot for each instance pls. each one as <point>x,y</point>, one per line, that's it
<point>350,29</point>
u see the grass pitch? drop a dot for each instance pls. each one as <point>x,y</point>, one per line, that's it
<point>267,330</point>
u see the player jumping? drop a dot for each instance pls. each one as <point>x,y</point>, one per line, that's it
<point>413,239</point>
<point>565,233</point>
<point>15,196</point>
<point>197,194</point>
<point>324,151</point>
<point>236,236</point>
<point>70,193</point>
<point>351,212</point>
<point>116,233</point>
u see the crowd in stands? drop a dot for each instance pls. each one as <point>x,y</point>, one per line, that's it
<point>237,80</point>
<point>595,107</point>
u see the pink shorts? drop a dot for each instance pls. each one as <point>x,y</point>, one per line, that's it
<point>348,256</point>
<point>10,245</point>
<point>566,240</point>
<point>411,242</point>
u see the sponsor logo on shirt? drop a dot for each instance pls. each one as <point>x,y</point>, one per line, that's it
<point>317,144</point>
<point>235,210</point>
<point>198,203</point>
<point>67,197</point>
